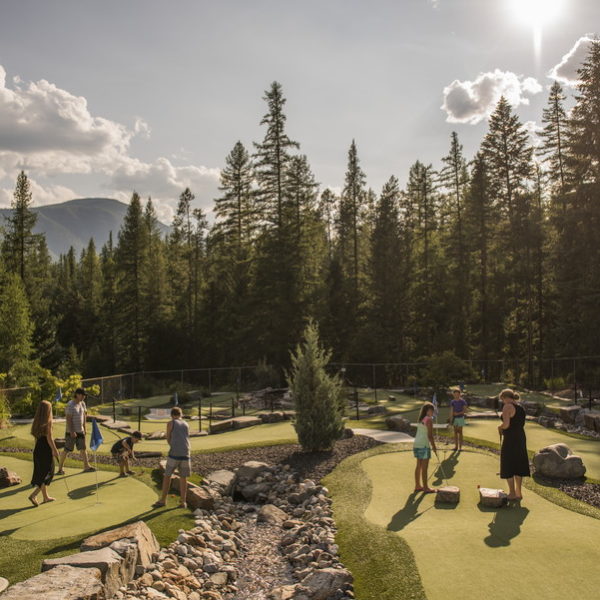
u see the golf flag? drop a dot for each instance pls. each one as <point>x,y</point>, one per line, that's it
<point>57,396</point>
<point>435,405</point>
<point>96,439</point>
<point>175,399</point>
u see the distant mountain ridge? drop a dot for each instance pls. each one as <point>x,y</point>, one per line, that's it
<point>74,222</point>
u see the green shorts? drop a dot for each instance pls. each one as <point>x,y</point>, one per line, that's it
<point>459,422</point>
<point>422,453</point>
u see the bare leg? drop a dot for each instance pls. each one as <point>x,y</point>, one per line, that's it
<point>33,495</point>
<point>460,437</point>
<point>122,465</point>
<point>456,438</point>
<point>165,488</point>
<point>511,488</point>
<point>518,481</point>
<point>45,494</point>
<point>84,458</point>
<point>418,474</point>
<point>424,468</point>
<point>183,490</point>
<point>63,457</point>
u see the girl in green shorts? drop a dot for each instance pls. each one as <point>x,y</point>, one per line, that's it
<point>423,444</point>
<point>458,410</point>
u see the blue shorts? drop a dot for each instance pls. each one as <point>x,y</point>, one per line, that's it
<point>422,452</point>
<point>459,422</point>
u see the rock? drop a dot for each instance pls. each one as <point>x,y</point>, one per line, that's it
<point>591,421</point>
<point>559,462</point>
<point>271,417</point>
<point>376,410</point>
<point>391,398</point>
<point>492,498</point>
<point>285,592</point>
<point>271,514</point>
<point>148,454</point>
<point>154,594</point>
<point>532,408</point>
<point>199,497</point>
<point>117,425</point>
<point>224,478</point>
<point>235,423</point>
<point>569,413</point>
<point>322,583</point>
<point>159,434</point>
<point>116,570</point>
<point>3,584</point>
<point>398,423</point>
<point>61,583</point>
<point>348,433</point>
<point>8,478</point>
<point>139,531</point>
<point>250,470</point>
<point>219,578</point>
<point>449,494</point>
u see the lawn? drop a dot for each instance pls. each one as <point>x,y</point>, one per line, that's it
<point>31,534</point>
<point>466,551</point>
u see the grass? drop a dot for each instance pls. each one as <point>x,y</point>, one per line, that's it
<point>400,545</point>
<point>21,558</point>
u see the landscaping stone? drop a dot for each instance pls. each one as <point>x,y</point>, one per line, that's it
<point>199,497</point>
<point>569,413</point>
<point>8,478</point>
<point>61,583</point>
<point>398,423</point>
<point>116,570</point>
<point>531,408</point>
<point>271,417</point>
<point>139,532</point>
<point>159,434</point>
<point>243,422</point>
<point>224,478</point>
<point>449,494</point>
<point>3,584</point>
<point>285,592</point>
<point>377,410</point>
<point>558,461</point>
<point>116,425</point>
<point>492,498</point>
<point>271,514</point>
<point>591,421</point>
<point>322,583</point>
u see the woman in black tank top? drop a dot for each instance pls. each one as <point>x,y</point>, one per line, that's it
<point>514,462</point>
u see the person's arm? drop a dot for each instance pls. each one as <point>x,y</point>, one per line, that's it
<point>51,443</point>
<point>507,412</point>
<point>84,418</point>
<point>69,415</point>
<point>429,425</point>
<point>451,417</point>
<point>169,430</point>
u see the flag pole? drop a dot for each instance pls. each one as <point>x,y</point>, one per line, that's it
<point>96,467</point>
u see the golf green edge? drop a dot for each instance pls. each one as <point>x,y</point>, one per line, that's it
<point>382,562</point>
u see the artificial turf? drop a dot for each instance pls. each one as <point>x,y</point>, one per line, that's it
<point>536,550</point>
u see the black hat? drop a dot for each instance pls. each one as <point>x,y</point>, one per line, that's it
<point>80,391</point>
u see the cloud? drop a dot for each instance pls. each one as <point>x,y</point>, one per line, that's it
<point>534,130</point>
<point>566,70</point>
<point>42,194</point>
<point>48,131</point>
<point>472,101</point>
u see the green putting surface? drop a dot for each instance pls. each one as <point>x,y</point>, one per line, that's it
<point>73,513</point>
<point>536,551</point>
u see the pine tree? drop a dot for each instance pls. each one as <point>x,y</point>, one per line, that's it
<point>327,206</point>
<point>19,240</point>
<point>317,395</point>
<point>234,210</point>
<point>272,158</point>
<point>552,149</point>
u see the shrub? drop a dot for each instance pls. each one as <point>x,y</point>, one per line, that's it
<point>316,394</point>
<point>4,410</point>
<point>445,369</point>
<point>266,375</point>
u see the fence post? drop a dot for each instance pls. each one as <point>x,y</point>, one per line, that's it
<point>200,412</point>
<point>139,418</point>
<point>210,381</point>
<point>375,385</point>
<point>233,401</point>
<point>210,417</point>
<point>356,402</point>
<point>114,409</point>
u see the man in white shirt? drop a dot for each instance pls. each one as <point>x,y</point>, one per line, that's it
<point>75,414</point>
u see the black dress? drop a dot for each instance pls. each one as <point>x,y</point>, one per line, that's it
<point>513,455</point>
<point>43,463</point>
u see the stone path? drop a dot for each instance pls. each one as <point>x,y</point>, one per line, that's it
<point>387,437</point>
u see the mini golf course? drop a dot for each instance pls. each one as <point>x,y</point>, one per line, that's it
<point>544,549</point>
<point>71,513</point>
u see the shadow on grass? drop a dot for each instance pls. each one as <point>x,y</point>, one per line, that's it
<point>505,524</point>
<point>90,490</point>
<point>446,469</point>
<point>408,513</point>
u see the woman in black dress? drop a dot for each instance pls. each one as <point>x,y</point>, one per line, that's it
<point>514,462</point>
<point>44,452</point>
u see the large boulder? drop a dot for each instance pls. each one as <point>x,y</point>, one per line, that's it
<point>116,569</point>
<point>569,413</point>
<point>199,497</point>
<point>137,532</point>
<point>558,461</point>
<point>8,478</point>
<point>323,583</point>
<point>532,408</point>
<point>398,423</point>
<point>224,478</point>
<point>271,417</point>
<point>3,584</point>
<point>61,583</point>
<point>591,421</point>
<point>269,513</point>
<point>249,480</point>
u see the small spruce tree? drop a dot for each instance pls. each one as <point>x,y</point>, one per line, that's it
<point>317,395</point>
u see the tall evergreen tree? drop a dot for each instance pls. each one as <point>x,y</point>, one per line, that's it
<point>553,135</point>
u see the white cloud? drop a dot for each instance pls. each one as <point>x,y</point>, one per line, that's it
<point>566,70</point>
<point>534,130</point>
<point>42,194</point>
<point>472,101</point>
<point>47,131</point>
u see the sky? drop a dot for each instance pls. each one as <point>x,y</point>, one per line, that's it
<point>100,98</point>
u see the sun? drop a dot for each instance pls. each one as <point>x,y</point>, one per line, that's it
<point>536,12</point>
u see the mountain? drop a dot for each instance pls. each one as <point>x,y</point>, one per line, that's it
<point>74,222</point>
